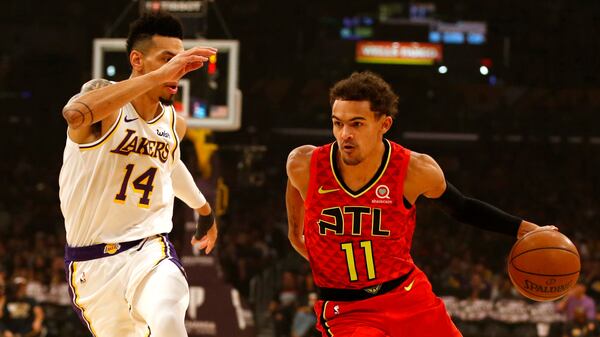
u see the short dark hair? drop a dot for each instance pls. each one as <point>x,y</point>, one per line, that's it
<point>366,86</point>
<point>150,24</point>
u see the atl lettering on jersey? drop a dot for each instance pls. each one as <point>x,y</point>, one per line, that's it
<point>358,238</point>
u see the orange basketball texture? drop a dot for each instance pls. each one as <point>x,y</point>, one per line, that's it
<point>544,265</point>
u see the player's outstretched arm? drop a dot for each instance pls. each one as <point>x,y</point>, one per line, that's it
<point>298,171</point>
<point>429,177</point>
<point>86,134</point>
<point>102,103</point>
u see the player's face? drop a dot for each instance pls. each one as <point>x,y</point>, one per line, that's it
<point>357,130</point>
<point>159,52</point>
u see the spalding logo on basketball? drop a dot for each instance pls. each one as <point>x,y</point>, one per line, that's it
<point>543,265</point>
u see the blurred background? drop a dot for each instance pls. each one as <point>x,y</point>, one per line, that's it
<point>503,94</point>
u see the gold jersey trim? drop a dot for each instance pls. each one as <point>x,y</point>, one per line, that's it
<point>73,285</point>
<point>104,138</point>
<point>380,171</point>
<point>324,322</point>
<point>155,119</point>
<point>174,131</point>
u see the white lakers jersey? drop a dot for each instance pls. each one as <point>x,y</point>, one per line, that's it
<point>119,188</point>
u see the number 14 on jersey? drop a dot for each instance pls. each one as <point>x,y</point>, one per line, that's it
<point>143,184</point>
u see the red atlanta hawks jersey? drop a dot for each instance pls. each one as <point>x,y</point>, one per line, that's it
<point>357,239</point>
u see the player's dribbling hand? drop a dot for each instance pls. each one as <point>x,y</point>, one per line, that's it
<point>528,227</point>
<point>184,62</point>
<point>207,242</point>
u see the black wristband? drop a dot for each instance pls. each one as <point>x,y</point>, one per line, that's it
<point>477,213</point>
<point>204,224</point>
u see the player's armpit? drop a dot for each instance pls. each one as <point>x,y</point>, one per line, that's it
<point>295,214</point>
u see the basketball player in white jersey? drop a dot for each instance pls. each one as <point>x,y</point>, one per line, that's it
<point>121,171</point>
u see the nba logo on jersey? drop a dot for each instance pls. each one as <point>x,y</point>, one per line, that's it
<point>111,248</point>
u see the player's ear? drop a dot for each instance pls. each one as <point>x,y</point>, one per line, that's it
<point>136,59</point>
<point>387,123</point>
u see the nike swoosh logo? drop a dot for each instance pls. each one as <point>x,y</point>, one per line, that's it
<point>324,191</point>
<point>130,120</point>
<point>409,287</point>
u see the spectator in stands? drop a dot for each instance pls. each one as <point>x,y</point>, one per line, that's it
<point>283,306</point>
<point>304,317</point>
<point>4,332</point>
<point>478,288</point>
<point>24,315</point>
<point>591,273</point>
<point>577,298</point>
<point>575,304</point>
<point>580,326</point>
<point>502,288</point>
<point>453,278</point>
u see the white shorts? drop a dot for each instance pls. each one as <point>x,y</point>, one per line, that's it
<point>103,288</point>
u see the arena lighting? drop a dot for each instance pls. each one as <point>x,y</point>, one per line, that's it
<point>484,70</point>
<point>111,70</point>
<point>442,69</point>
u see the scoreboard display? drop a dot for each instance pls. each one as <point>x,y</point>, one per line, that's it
<point>182,8</point>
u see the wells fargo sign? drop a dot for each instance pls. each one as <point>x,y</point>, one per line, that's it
<point>398,52</point>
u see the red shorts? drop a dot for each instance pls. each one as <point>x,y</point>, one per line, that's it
<point>410,310</point>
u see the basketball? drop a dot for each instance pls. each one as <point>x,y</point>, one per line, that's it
<point>543,265</point>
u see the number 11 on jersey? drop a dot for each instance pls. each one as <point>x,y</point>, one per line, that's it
<point>349,250</point>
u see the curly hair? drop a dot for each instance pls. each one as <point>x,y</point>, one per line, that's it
<point>150,24</point>
<point>366,86</point>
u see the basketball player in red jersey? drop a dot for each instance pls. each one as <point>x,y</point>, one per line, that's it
<point>351,214</point>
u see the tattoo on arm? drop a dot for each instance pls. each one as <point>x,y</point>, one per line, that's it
<point>75,115</point>
<point>88,109</point>
<point>71,119</point>
<point>95,84</point>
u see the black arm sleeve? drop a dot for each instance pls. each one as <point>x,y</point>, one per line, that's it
<point>204,224</point>
<point>477,213</point>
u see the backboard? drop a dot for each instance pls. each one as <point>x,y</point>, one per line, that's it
<point>207,98</point>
